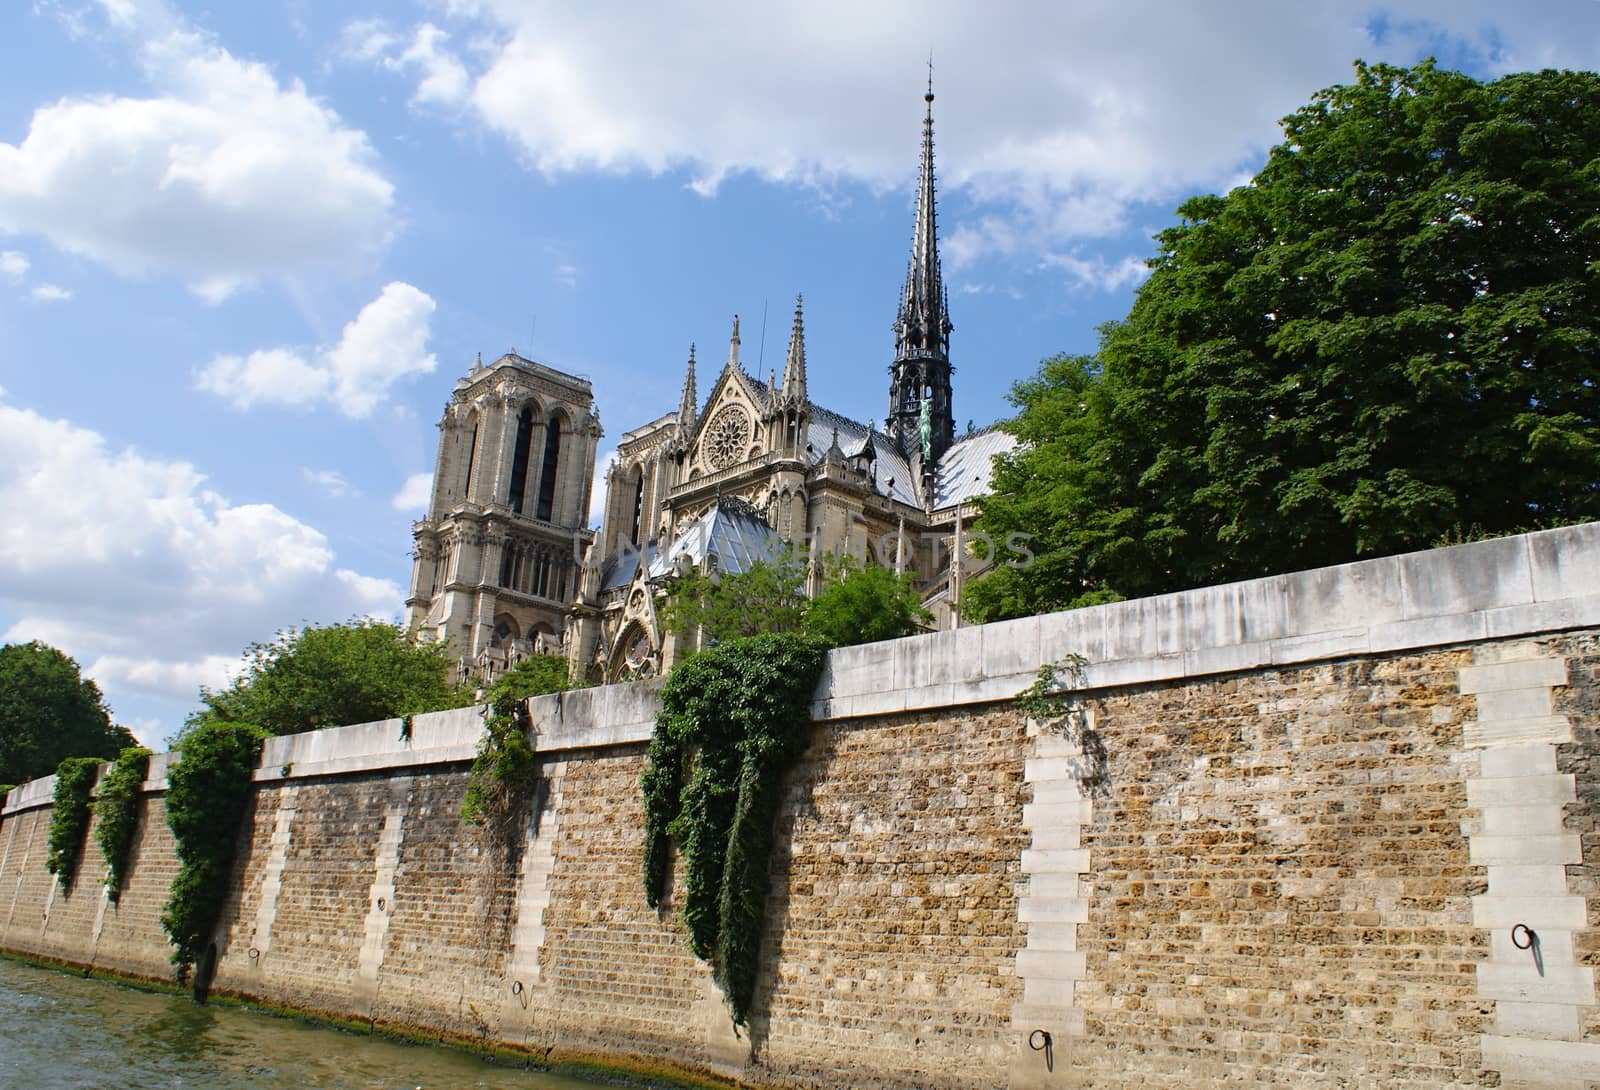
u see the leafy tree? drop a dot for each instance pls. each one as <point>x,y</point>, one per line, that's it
<point>49,712</point>
<point>1389,334</point>
<point>332,676</point>
<point>863,604</point>
<point>768,596</point>
<point>533,676</point>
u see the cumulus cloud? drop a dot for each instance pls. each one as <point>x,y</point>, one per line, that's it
<point>14,265</point>
<point>414,494</point>
<point>49,293</point>
<point>386,342</point>
<point>1054,121</point>
<point>150,579</point>
<point>223,175</point>
<point>442,79</point>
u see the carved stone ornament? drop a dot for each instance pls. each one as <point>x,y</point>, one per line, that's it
<point>725,438</point>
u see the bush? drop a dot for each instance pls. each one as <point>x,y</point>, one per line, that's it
<point>69,819</point>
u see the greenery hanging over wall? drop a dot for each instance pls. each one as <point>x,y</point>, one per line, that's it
<point>118,810</point>
<point>733,720</point>
<point>207,792</point>
<point>502,775</point>
<point>69,821</point>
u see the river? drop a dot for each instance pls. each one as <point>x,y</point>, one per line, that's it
<point>59,1030</point>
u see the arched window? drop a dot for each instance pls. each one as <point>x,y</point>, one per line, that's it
<point>519,460</point>
<point>472,453</point>
<point>638,506</point>
<point>547,472</point>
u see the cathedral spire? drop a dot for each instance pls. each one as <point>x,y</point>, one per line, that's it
<point>794,367</point>
<point>921,369</point>
<point>689,401</point>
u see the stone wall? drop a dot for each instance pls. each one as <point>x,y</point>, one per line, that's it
<point>1323,804</point>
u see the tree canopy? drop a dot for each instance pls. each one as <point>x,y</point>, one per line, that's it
<point>858,603</point>
<point>1387,338</point>
<point>48,712</point>
<point>332,676</point>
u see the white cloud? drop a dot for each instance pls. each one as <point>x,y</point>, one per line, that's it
<point>386,342</point>
<point>221,177</point>
<point>1098,273</point>
<point>49,293</point>
<point>1054,120</point>
<point>414,494</point>
<point>442,79</point>
<point>332,483</point>
<point>13,265</point>
<point>131,565</point>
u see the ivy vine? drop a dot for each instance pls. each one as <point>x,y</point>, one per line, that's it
<point>207,793</point>
<point>502,773</point>
<point>117,809</point>
<point>69,819</point>
<point>733,720</point>
<point>1053,702</point>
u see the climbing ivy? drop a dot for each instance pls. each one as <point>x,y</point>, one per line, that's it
<point>69,819</point>
<point>207,792</point>
<point>733,720</point>
<point>118,810</point>
<point>502,774</point>
<point>1054,703</point>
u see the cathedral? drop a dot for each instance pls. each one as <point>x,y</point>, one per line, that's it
<point>504,565</point>
<point>759,467</point>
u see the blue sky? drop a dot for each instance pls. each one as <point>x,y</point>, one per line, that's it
<point>245,250</point>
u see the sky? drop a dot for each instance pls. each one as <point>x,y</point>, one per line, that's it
<point>247,250</point>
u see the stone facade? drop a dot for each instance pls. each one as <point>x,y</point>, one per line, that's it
<point>496,561</point>
<point>1289,842</point>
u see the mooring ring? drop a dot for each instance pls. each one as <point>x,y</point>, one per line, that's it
<point>1039,1040</point>
<point>1532,936</point>
<point>516,987</point>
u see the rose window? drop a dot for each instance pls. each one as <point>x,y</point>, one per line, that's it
<point>726,438</point>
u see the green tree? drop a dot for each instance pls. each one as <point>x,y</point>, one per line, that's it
<point>1389,334</point>
<point>535,675</point>
<point>48,712</point>
<point>332,676</point>
<point>768,596</point>
<point>864,603</point>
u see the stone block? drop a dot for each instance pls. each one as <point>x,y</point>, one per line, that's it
<point>1050,965</point>
<point>1516,762</point>
<point>1073,910</point>
<point>1534,819</point>
<point>1048,993</point>
<point>1052,935</point>
<point>1551,1063</point>
<point>1562,562</point>
<point>1011,648</point>
<point>1465,578</point>
<point>1559,912</point>
<point>1526,703</point>
<point>1556,787</point>
<point>1528,673</point>
<point>1075,860</point>
<point>1538,880</point>
<point>1555,848</point>
<point>1432,631</point>
<point>1347,596</point>
<point>1550,1021</point>
<point>1524,983</point>
<point>1542,617</point>
<point>1334,643</point>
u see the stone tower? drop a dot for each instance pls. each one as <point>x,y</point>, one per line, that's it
<point>496,562</point>
<point>919,378</point>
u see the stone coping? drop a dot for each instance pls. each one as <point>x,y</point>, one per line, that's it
<point>1502,588</point>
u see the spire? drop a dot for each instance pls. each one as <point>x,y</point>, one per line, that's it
<point>733,345</point>
<point>689,402</point>
<point>923,326</point>
<point>921,370</point>
<point>794,367</point>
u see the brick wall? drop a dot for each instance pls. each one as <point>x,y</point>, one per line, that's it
<point>1316,829</point>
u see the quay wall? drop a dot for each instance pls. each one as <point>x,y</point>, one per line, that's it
<point>1292,844</point>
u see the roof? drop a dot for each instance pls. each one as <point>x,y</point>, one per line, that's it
<point>622,566</point>
<point>732,531</point>
<point>965,469</point>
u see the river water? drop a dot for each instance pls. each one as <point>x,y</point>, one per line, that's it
<point>58,1030</point>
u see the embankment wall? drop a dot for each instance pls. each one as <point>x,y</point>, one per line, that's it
<point>1324,803</point>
